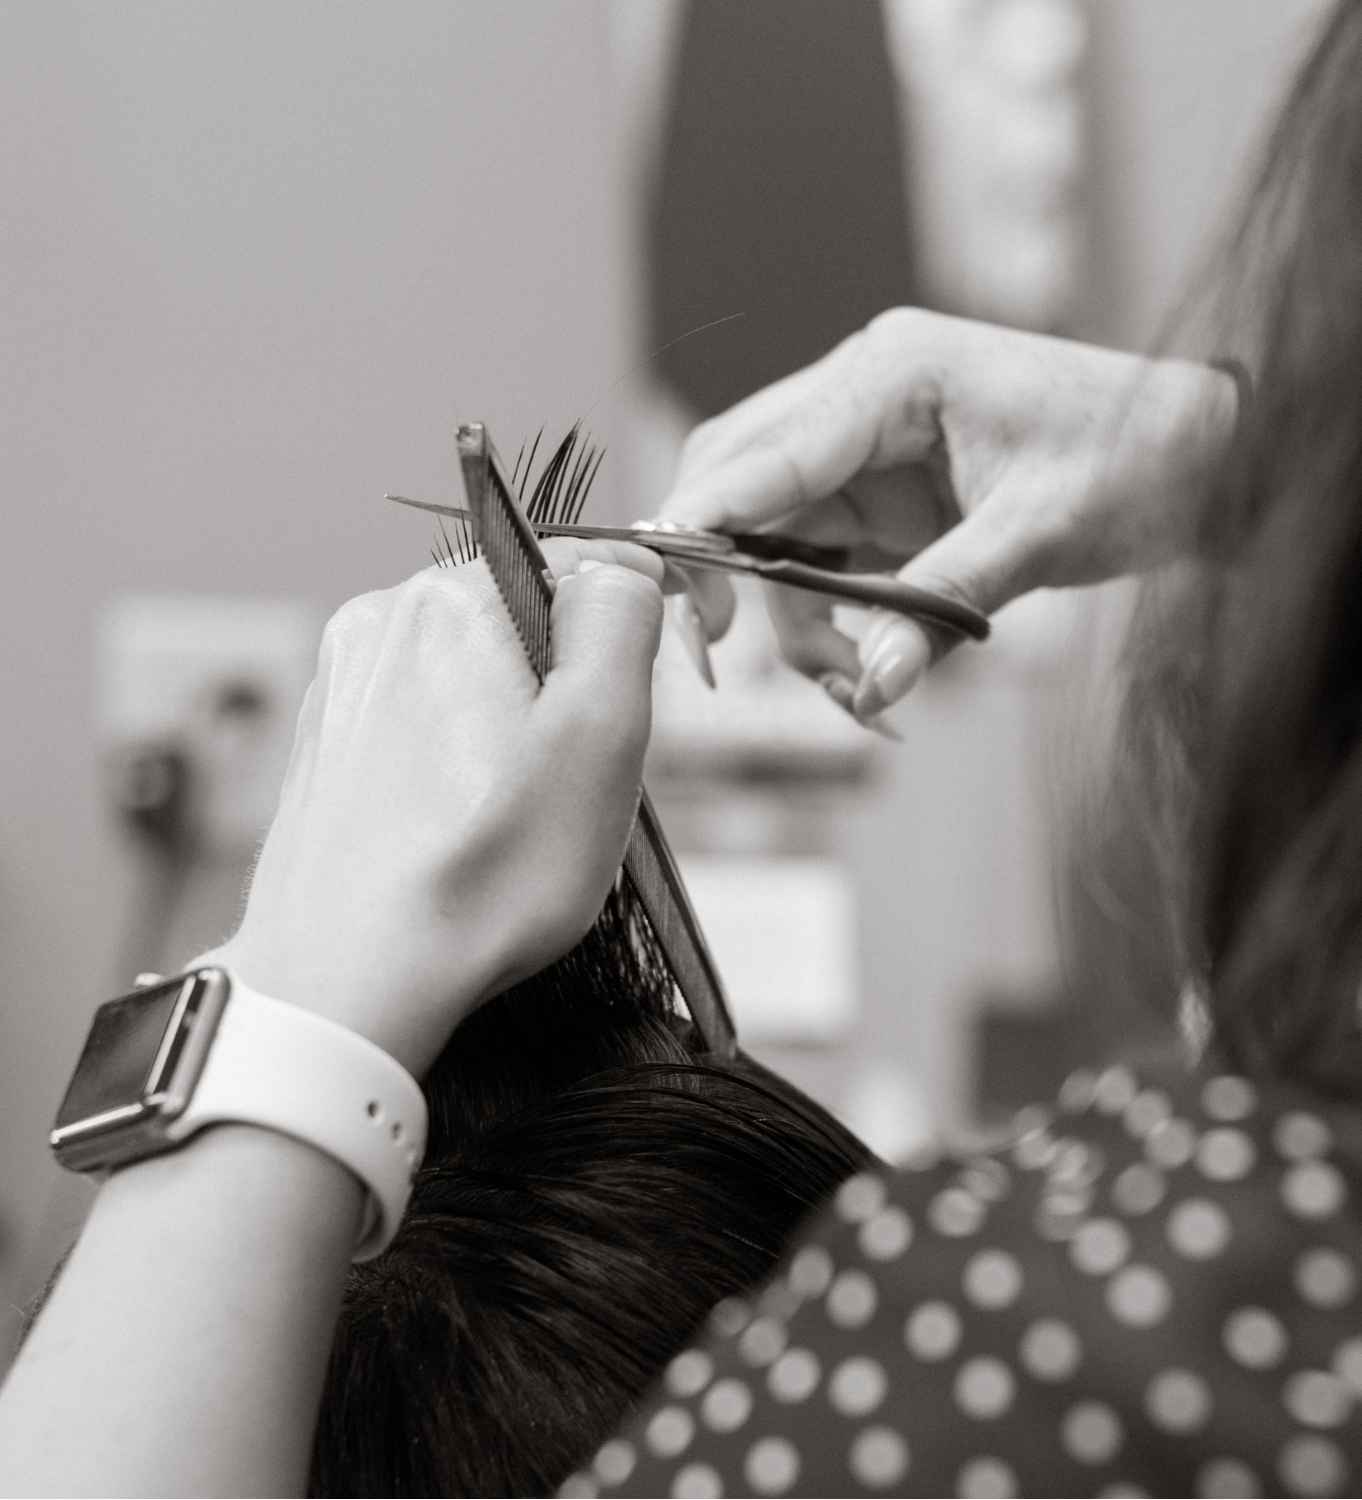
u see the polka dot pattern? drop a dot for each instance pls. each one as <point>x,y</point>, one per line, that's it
<point>1317,1399</point>
<point>689,1372</point>
<point>983,1477</point>
<point>992,1279</point>
<point>1311,1466</point>
<point>795,1375</point>
<point>984,1388</point>
<point>772,1466</point>
<point>1139,1297</point>
<point>1178,1401</point>
<point>956,1212</point>
<point>1326,1278</point>
<point>1100,1246</point>
<point>933,1331</point>
<point>811,1271</point>
<point>1050,1350</point>
<point>879,1457</point>
<point>1091,1432</point>
<point>761,1341</point>
<point>1225,1154</point>
<point>1138,1189</point>
<point>726,1405</point>
<point>615,1461</point>
<point>1229,1478</point>
<point>887,1235</point>
<point>1150,1290</point>
<point>852,1300</point>
<point>1313,1190</point>
<point>669,1431</point>
<point>857,1386</point>
<point>1198,1229</point>
<point>697,1482</point>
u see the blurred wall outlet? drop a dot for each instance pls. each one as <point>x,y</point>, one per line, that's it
<point>215,680</point>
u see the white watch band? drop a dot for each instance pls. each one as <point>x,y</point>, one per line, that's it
<point>287,1069</point>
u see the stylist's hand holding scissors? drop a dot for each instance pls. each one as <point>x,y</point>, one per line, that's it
<point>991,461</point>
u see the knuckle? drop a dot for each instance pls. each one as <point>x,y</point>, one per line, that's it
<point>624,603</point>
<point>355,619</point>
<point>895,327</point>
<point>431,604</point>
<point>630,588</point>
<point>698,441</point>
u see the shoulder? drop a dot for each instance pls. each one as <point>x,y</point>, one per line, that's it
<point>1152,1284</point>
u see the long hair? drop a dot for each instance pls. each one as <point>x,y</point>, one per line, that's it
<point>594,1185</point>
<point>1245,709</point>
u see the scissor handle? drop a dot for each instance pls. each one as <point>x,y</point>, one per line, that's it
<point>880,592</point>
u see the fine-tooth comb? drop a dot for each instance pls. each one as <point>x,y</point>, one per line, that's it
<point>506,539</point>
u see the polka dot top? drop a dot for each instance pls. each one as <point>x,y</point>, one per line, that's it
<point>1151,1290</point>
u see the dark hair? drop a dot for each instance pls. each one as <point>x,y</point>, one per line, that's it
<point>592,1188</point>
<point>1246,704</point>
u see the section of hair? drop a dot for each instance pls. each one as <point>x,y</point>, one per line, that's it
<point>1245,717</point>
<point>592,1188</point>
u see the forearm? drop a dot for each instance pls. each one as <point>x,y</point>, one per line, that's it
<point>184,1348</point>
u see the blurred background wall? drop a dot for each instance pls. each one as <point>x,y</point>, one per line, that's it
<point>255,261</point>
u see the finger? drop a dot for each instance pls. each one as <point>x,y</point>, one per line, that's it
<point>714,600</point>
<point>710,593</point>
<point>794,443</point>
<point>566,555</point>
<point>799,462</point>
<point>983,562</point>
<point>807,637</point>
<point>716,440</point>
<point>606,622</point>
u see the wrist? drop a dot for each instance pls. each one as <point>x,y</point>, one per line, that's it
<point>370,997</point>
<point>206,1048</point>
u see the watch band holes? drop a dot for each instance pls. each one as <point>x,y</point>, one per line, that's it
<point>374,1109</point>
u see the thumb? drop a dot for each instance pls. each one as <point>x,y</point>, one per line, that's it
<point>982,562</point>
<point>606,625</point>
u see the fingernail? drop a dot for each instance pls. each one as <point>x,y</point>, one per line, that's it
<point>887,679</point>
<point>691,628</point>
<point>842,691</point>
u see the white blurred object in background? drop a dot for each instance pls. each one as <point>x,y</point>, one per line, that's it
<point>783,931</point>
<point>992,99</point>
<point>217,680</point>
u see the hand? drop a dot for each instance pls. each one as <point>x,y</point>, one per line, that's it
<point>446,826</point>
<point>990,461</point>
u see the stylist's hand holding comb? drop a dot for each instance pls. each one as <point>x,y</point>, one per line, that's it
<point>991,461</point>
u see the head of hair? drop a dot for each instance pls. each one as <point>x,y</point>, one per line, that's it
<point>1244,718</point>
<point>594,1185</point>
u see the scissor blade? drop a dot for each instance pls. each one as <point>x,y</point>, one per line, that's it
<point>741,552</point>
<point>658,541</point>
<point>458,512</point>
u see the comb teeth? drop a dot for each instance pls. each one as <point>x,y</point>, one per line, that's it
<point>517,564</point>
<point>463,548</point>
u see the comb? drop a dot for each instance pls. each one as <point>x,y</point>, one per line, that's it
<point>521,573</point>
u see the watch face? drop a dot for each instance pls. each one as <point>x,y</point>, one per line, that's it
<point>123,1060</point>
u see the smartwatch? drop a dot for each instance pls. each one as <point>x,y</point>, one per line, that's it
<point>177,1055</point>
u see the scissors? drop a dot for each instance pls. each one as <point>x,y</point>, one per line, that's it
<point>843,573</point>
